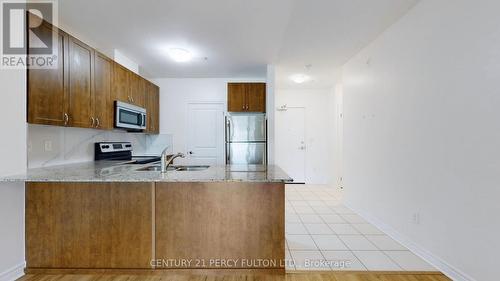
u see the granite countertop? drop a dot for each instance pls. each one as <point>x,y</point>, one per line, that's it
<point>116,171</point>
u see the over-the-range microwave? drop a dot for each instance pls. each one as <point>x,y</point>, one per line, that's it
<point>129,116</point>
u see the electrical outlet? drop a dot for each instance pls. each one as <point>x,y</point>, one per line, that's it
<point>415,218</point>
<point>47,145</point>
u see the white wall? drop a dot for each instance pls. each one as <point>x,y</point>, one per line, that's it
<point>318,124</point>
<point>271,113</point>
<point>335,136</point>
<point>422,133</point>
<point>120,58</point>
<point>73,145</point>
<point>12,161</point>
<point>177,93</point>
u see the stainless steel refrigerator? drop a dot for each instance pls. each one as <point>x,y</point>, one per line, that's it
<point>246,139</point>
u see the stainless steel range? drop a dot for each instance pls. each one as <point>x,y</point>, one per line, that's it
<point>120,151</point>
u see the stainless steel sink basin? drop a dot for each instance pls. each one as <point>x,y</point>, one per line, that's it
<point>157,168</point>
<point>191,168</point>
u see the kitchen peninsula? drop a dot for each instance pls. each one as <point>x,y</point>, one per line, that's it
<point>112,216</point>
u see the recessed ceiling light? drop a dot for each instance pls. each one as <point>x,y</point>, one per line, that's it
<point>180,55</point>
<point>300,78</point>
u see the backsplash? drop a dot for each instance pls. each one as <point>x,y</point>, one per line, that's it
<point>52,145</point>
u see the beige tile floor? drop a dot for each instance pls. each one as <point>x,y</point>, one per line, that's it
<point>323,234</point>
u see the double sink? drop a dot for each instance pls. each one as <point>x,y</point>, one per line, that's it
<point>157,168</point>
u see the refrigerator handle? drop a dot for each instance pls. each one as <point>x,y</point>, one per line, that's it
<point>228,129</point>
<point>228,134</point>
<point>265,149</point>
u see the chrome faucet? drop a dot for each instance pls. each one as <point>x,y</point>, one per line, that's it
<point>166,162</point>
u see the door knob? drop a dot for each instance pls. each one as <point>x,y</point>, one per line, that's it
<point>190,152</point>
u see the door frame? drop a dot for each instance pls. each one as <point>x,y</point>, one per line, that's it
<point>220,154</point>
<point>285,108</point>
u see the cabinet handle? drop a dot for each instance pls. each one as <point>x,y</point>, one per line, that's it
<point>66,119</point>
<point>93,121</point>
<point>98,123</point>
<point>243,107</point>
<point>132,98</point>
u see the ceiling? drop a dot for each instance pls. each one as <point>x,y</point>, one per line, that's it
<point>234,38</point>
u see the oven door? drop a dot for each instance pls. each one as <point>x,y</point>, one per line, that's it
<point>130,117</point>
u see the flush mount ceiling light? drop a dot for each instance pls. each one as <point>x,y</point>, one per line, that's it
<point>300,78</point>
<point>180,55</point>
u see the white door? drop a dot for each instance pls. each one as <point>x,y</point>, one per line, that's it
<point>290,142</point>
<point>205,134</point>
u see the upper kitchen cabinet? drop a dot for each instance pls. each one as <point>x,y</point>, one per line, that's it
<point>256,97</point>
<point>153,108</point>
<point>246,97</point>
<point>137,89</point>
<point>47,87</point>
<point>80,84</point>
<point>127,86</point>
<point>236,97</point>
<point>121,83</point>
<point>81,90</point>
<point>103,105</point>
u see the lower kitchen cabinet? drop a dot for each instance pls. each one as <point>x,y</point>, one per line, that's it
<point>231,221</point>
<point>81,226</point>
<point>89,225</point>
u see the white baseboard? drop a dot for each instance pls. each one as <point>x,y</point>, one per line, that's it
<point>441,265</point>
<point>13,273</point>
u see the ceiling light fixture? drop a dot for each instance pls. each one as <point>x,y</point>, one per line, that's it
<point>180,55</point>
<point>300,78</point>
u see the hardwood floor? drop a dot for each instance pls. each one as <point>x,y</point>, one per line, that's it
<point>302,276</point>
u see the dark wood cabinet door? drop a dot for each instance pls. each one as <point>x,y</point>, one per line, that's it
<point>80,85</point>
<point>155,106</point>
<point>121,84</point>
<point>89,225</point>
<point>236,97</point>
<point>134,85</point>
<point>103,106</point>
<point>137,89</point>
<point>47,87</point>
<point>71,94</point>
<point>256,97</point>
<point>200,221</point>
<point>149,108</point>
